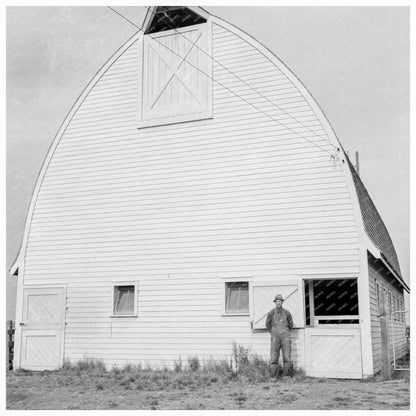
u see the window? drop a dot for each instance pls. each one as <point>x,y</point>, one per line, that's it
<point>125,299</point>
<point>401,314</point>
<point>237,297</point>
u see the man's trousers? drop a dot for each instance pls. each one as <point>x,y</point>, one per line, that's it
<point>279,340</point>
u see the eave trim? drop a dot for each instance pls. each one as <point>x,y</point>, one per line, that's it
<point>383,259</point>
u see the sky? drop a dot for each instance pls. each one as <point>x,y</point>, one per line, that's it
<point>353,60</point>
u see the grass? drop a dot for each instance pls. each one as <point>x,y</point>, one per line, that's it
<point>240,382</point>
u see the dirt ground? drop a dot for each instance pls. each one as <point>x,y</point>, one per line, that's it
<point>186,391</point>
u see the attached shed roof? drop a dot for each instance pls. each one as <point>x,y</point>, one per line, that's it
<point>373,224</point>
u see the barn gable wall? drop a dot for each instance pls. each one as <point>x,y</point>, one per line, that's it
<point>179,207</point>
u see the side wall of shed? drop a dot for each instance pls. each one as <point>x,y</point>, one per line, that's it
<point>180,208</point>
<point>396,325</point>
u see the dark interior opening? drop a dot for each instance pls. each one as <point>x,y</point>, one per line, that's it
<point>173,17</point>
<point>307,304</point>
<point>332,298</point>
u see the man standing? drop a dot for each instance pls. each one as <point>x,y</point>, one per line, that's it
<point>279,322</point>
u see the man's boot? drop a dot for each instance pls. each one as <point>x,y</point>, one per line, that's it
<point>287,369</point>
<point>274,370</point>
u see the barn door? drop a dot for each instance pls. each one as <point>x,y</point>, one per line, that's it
<point>177,76</point>
<point>263,295</point>
<point>332,333</point>
<point>42,328</point>
<point>333,352</point>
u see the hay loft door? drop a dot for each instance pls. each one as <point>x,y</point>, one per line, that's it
<point>176,78</point>
<point>42,328</point>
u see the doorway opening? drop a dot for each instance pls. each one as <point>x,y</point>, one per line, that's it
<point>331,302</point>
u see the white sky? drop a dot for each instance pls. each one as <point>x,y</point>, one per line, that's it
<point>354,61</point>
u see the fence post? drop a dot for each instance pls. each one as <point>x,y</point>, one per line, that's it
<point>10,344</point>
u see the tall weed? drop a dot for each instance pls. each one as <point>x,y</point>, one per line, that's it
<point>193,364</point>
<point>241,364</point>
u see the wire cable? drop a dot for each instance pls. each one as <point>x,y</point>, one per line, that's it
<point>236,76</point>
<point>183,59</point>
<point>243,99</point>
<point>125,18</point>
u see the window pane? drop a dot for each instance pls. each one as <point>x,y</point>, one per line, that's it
<point>243,303</point>
<point>232,298</point>
<point>237,297</point>
<point>124,300</point>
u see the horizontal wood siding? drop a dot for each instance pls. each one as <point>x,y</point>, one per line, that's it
<point>399,327</point>
<point>179,207</point>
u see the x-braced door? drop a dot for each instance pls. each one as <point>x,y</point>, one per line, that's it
<point>42,328</point>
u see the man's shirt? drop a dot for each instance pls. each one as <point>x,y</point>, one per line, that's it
<point>280,319</point>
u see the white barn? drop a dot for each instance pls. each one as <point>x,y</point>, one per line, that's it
<point>193,179</point>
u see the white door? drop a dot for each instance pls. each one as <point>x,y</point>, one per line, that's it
<point>263,295</point>
<point>333,352</point>
<point>42,328</point>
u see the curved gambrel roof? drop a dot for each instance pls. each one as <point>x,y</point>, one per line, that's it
<point>373,224</point>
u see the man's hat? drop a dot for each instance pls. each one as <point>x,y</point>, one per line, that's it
<point>278,297</point>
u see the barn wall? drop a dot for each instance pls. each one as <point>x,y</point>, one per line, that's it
<point>179,207</point>
<point>399,327</point>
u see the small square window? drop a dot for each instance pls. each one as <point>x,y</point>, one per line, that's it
<point>124,302</point>
<point>236,297</point>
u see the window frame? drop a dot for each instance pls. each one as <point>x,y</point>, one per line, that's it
<point>115,284</point>
<point>224,284</point>
<point>314,317</point>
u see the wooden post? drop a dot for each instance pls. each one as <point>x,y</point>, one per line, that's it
<point>311,304</point>
<point>384,325</point>
<point>10,344</point>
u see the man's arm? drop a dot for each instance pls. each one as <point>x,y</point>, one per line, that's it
<point>289,320</point>
<point>269,321</point>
